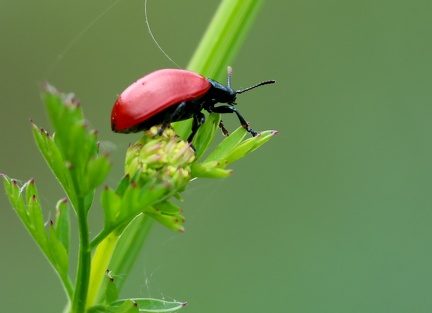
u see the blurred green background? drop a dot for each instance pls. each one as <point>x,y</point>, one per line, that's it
<point>332,215</point>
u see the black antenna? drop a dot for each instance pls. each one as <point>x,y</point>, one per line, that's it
<point>249,88</point>
<point>257,85</point>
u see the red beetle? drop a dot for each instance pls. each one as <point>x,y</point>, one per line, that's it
<point>172,95</point>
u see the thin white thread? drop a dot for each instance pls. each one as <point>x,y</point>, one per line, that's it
<point>153,37</point>
<point>73,42</point>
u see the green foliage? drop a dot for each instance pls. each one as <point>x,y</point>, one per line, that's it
<point>54,243</point>
<point>157,169</point>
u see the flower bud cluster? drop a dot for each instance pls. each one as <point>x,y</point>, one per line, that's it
<point>163,158</point>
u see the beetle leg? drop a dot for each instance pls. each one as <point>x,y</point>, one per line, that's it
<point>162,129</point>
<point>224,130</point>
<point>198,120</point>
<point>230,109</point>
<point>177,114</point>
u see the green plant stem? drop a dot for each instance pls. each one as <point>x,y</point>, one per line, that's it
<point>221,43</point>
<point>96,241</point>
<point>224,37</point>
<point>84,260</point>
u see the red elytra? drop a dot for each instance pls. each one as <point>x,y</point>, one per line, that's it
<point>152,94</point>
<point>171,95</point>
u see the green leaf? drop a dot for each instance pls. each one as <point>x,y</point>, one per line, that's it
<point>97,170</point>
<point>30,213</point>
<point>167,214</point>
<point>168,208</point>
<point>58,253</point>
<point>124,184</point>
<point>154,305</point>
<point>249,145</point>
<point>227,146</point>
<point>51,154</point>
<point>210,170</point>
<point>99,266</point>
<point>137,198</point>
<point>183,129</point>
<point>111,293</point>
<point>127,306</point>
<point>62,223</point>
<point>128,247</point>
<point>206,133</point>
<point>35,218</point>
<point>111,204</point>
<point>120,210</point>
<point>13,192</point>
<point>101,309</point>
<point>72,153</point>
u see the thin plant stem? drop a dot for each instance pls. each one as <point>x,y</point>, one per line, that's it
<point>84,259</point>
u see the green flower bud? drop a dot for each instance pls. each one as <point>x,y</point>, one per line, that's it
<point>164,158</point>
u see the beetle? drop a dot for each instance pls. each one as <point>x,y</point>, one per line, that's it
<point>171,95</point>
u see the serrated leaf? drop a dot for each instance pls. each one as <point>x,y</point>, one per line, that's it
<point>77,145</point>
<point>36,224</point>
<point>119,211</point>
<point>154,305</point>
<point>227,145</point>
<point>14,194</point>
<point>30,213</point>
<point>62,223</point>
<point>137,198</point>
<point>25,203</point>
<point>173,222</point>
<point>51,154</point>
<point>167,214</point>
<point>249,145</point>
<point>58,254</point>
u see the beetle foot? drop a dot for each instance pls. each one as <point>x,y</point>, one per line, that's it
<point>250,130</point>
<point>224,130</point>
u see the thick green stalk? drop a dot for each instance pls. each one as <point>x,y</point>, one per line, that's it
<point>224,37</point>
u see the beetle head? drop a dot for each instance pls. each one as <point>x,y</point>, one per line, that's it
<point>225,94</point>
